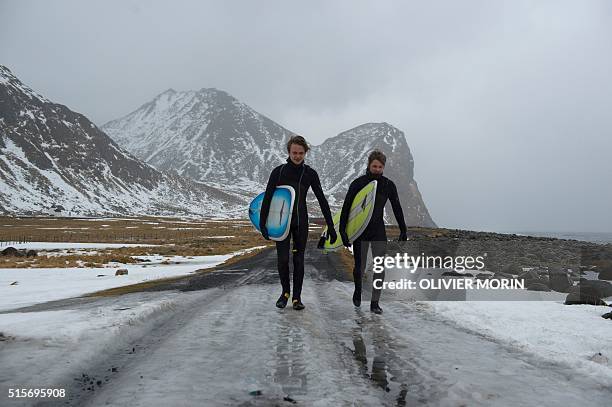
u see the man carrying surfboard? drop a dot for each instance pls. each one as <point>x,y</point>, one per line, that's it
<point>374,234</point>
<point>301,177</point>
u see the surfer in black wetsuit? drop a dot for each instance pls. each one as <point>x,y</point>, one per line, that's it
<point>374,234</point>
<point>301,177</point>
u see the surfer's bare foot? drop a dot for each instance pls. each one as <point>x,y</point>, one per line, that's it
<point>282,301</point>
<point>297,305</point>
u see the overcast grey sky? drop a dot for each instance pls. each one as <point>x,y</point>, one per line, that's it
<point>506,105</point>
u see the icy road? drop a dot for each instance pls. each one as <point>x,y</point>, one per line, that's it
<point>225,343</point>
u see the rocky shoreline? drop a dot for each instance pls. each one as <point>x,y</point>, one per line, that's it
<point>581,269</point>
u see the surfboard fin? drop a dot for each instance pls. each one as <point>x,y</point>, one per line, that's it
<point>321,243</point>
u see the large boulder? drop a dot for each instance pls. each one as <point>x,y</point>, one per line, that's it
<point>121,272</point>
<point>559,280</point>
<point>531,276</point>
<point>604,288</point>
<point>605,273</point>
<point>535,280</point>
<point>503,276</point>
<point>453,273</point>
<point>512,268</point>
<point>537,287</point>
<point>583,295</point>
<point>11,251</point>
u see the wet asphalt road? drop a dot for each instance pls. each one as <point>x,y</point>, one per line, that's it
<point>227,344</point>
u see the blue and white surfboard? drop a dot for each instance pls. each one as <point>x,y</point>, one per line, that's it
<point>279,217</point>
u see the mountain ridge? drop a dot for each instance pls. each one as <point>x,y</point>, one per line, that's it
<point>210,136</point>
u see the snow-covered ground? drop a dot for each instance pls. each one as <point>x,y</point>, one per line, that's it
<point>575,335</point>
<point>74,325</point>
<point>42,348</point>
<point>20,287</point>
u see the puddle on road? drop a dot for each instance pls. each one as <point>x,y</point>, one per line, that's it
<point>374,356</point>
<point>379,357</point>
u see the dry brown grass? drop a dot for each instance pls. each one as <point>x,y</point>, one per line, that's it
<point>172,237</point>
<point>71,260</point>
<point>122,230</point>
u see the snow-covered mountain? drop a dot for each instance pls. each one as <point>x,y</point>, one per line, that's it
<point>342,158</point>
<point>50,155</point>
<point>212,137</point>
<point>206,135</point>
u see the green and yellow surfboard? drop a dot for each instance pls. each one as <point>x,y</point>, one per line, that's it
<point>359,217</point>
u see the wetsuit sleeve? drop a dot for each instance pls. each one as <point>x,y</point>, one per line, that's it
<point>318,191</point>
<point>346,206</point>
<point>265,205</point>
<point>397,207</point>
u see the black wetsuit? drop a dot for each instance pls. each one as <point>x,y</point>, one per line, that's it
<point>305,177</point>
<point>375,233</point>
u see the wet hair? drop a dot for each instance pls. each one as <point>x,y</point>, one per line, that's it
<point>300,141</point>
<point>377,155</point>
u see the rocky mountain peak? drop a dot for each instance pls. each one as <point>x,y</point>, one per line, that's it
<point>14,88</point>
<point>207,135</point>
<point>50,154</point>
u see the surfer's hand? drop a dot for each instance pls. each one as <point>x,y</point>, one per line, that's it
<point>332,235</point>
<point>345,239</point>
<point>264,233</point>
<point>403,237</point>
